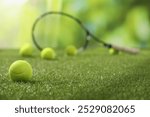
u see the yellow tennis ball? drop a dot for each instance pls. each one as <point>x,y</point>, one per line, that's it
<point>71,50</point>
<point>26,50</point>
<point>20,70</point>
<point>113,51</point>
<point>48,53</point>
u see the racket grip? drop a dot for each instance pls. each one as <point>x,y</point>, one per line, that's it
<point>125,49</point>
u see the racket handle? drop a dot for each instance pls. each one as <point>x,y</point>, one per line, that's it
<point>127,50</point>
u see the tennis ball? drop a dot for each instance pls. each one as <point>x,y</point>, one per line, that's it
<point>26,50</point>
<point>48,53</point>
<point>20,71</point>
<point>71,50</point>
<point>113,51</point>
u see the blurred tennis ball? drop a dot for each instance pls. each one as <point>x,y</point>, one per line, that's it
<point>113,51</point>
<point>71,50</point>
<point>48,53</point>
<point>20,71</point>
<point>26,50</point>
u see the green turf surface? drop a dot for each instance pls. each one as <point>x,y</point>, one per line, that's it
<point>93,74</point>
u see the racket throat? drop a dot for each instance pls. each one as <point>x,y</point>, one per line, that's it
<point>88,38</point>
<point>107,45</point>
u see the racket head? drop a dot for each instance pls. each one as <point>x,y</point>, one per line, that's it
<point>58,31</point>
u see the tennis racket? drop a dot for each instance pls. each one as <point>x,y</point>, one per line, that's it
<point>55,28</point>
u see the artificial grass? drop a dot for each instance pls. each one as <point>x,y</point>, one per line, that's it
<point>92,74</point>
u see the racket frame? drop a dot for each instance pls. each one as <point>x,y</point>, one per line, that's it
<point>88,37</point>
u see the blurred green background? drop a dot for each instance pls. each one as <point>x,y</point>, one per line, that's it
<point>120,22</point>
